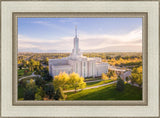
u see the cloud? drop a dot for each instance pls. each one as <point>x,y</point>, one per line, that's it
<point>69,21</point>
<point>41,22</point>
<point>87,41</point>
<point>43,44</point>
<point>96,41</point>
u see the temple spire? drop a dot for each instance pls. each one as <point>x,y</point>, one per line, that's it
<point>75,31</point>
<point>76,50</point>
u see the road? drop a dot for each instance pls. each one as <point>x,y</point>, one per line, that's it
<point>91,87</point>
<point>33,75</point>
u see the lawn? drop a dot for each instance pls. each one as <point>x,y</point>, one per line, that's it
<point>91,78</point>
<point>21,73</point>
<point>20,92</point>
<point>90,84</point>
<point>108,92</point>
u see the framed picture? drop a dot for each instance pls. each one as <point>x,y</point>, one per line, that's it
<point>80,59</point>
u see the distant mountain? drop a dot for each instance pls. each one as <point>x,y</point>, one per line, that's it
<point>117,49</point>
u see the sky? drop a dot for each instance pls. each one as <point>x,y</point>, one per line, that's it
<point>95,34</point>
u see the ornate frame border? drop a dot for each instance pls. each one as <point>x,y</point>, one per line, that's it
<point>95,103</point>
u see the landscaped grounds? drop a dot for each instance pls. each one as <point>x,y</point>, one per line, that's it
<point>108,92</point>
<point>35,83</point>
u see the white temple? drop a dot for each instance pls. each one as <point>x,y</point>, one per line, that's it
<point>76,62</point>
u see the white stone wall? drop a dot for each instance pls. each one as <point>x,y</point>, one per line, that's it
<point>57,69</point>
<point>101,68</point>
<point>86,67</point>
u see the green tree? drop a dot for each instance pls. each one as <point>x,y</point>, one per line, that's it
<point>104,77</point>
<point>49,90</point>
<point>40,82</point>
<point>134,78</point>
<point>76,81</point>
<point>120,84</point>
<point>31,84</point>
<point>114,76</point>
<point>30,90</point>
<point>29,94</point>
<point>134,70</point>
<point>139,80</point>
<point>30,69</point>
<point>60,80</point>
<point>39,94</point>
<point>37,68</point>
<point>59,94</point>
<point>46,60</point>
<point>38,97</point>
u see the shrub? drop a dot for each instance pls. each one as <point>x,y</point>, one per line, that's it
<point>59,94</point>
<point>49,90</point>
<point>29,94</point>
<point>120,84</point>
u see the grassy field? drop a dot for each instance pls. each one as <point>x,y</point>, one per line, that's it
<point>90,84</point>
<point>20,92</point>
<point>21,73</point>
<point>91,78</point>
<point>97,83</point>
<point>107,93</point>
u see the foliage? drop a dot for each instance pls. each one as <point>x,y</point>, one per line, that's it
<point>60,80</point>
<point>29,94</point>
<point>76,81</point>
<point>46,60</point>
<point>48,77</point>
<point>30,90</point>
<point>23,83</point>
<point>31,84</point>
<point>139,80</point>
<point>49,90</point>
<point>120,84</point>
<point>104,77</point>
<point>40,82</point>
<point>114,76</point>
<point>38,97</point>
<point>125,61</point>
<point>24,72</point>
<point>29,62</point>
<point>20,92</point>
<point>136,76</point>
<point>59,94</point>
<point>39,94</point>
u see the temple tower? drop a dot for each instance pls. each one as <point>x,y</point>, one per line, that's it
<point>76,50</point>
